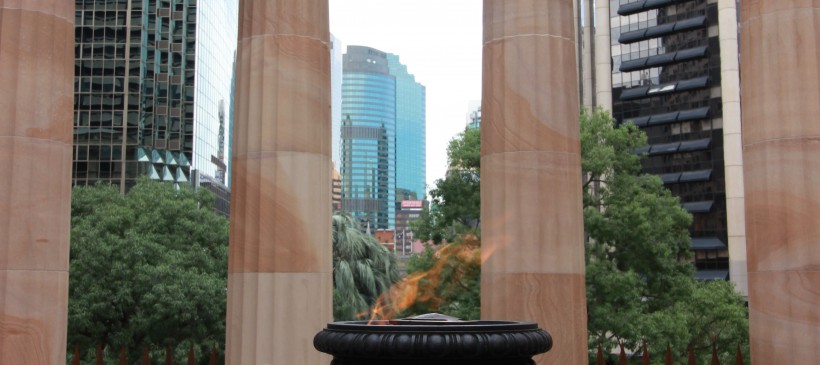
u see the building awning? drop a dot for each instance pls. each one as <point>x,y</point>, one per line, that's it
<point>670,178</point>
<point>706,275</point>
<point>643,5</point>
<point>663,59</point>
<point>664,118</point>
<point>699,175</point>
<point>707,243</point>
<point>662,30</point>
<point>693,114</point>
<point>696,145</point>
<point>699,207</point>
<point>646,91</point>
<point>672,117</point>
<point>658,149</point>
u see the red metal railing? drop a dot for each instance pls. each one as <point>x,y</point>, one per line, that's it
<point>668,358</point>
<point>146,356</point>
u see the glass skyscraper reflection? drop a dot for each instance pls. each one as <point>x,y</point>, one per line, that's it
<point>152,89</point>
<point>411,136</point>
<point>368,137</point>
<point>382,136</point>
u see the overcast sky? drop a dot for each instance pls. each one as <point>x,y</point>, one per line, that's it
<point>439,41</point>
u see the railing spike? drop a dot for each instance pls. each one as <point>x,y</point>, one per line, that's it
<point>146,357</point>
<point>667,357</point>
<point>169,355</point>
<point>191,356</point>
<point>75,360</point>
<point>692,359</point>
<point>213,355</point>
<point>715,360</point>
<point>99,360</point>
<point>739,360</point>
<point>645,360</point>
<point>622,356</point>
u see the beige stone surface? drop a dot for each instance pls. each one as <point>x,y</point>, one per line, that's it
<point>279,281</point>
<point>782,206</point>
<point>272,317</point>
<point>732,143</point>
<point>551,300</point>
<point>59,9</point>
<point>36,71</point>
<point>515,120</point>
<point>524,18</point>
<point>36,204</point>
<point>603,57</point>
<point>286,87</point>
<point>781,102</point>
<point>34,312</point>
<point>780,71</point>
<point>785,322</point>
<point>587,70</point>
<point>282,223</point>
<point>304,19</point>
<point>535,202</point>
<point>532,230</point>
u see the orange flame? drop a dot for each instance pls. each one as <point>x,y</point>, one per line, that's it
<point>421,286</point>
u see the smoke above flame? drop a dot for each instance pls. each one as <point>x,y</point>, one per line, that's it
<point>453,262</point>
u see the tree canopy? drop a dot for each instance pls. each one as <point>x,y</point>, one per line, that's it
<point>640,283</point>
<point>363,269</point>
<point>639,275</point>
<point>146,268</point>
<point>456,199</point>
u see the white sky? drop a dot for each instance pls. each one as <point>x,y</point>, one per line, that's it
<point>439,41</point>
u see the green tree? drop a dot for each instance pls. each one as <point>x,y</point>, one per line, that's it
<point>363,269</point>
<point>456,199</point>
<point>146,268</point>
<point>640,283</point>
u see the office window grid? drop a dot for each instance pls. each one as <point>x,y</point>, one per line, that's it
<point>710,190</point>
<point>135,70</point>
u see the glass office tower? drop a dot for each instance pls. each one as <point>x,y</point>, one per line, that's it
<point>368,137</point>
<point>152,89</point>
<point>411,135</point>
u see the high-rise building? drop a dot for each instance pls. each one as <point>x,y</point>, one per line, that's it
<point>383,158</point>
<point>153,89</point>
<point>474,117</point>
<point>674,74</point>
<point>368,137</point>
<point>411,135</point>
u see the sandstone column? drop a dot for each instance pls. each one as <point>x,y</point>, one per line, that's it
<point>781,154</point>
<point>36,71</point>
<point>279,280</point>
<point>532,228</point>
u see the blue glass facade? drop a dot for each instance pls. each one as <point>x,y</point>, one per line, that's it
<point>368,137</point>
<point>411,135</point>
<point>152,89</point>
<point>216,35</point>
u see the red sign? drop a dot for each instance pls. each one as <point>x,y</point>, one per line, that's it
<point>411,204</point>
